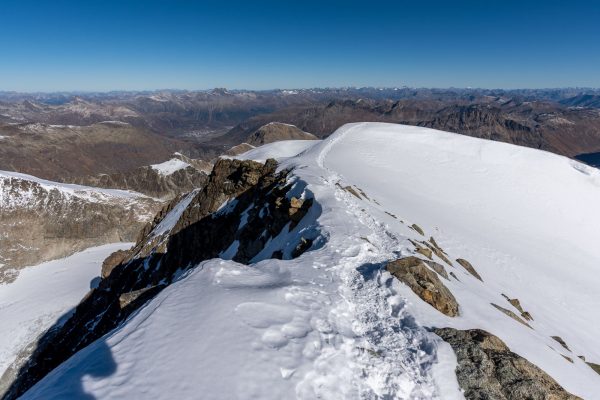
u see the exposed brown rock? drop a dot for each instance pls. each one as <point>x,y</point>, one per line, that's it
<point>276,131</point>
<point>517,304</point>
<point>467,265</point>
<point>569,359</point>
<point>487,369</point>
<point>425,283</point>
<point>390,214</point>
<point>437,250</point>
<point>424,251</point>
<point>439,268</point>
<point>350,190</point>
<point>595,367</point>
<point>418,229</point>
<point>128,298</point>
<point>511,314</point>
<point>112,261</point>
<point>297,210</point>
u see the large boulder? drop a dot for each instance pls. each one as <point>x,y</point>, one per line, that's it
<point>487,369</point>
<point>425,283</point>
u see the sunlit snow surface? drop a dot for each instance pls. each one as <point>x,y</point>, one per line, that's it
<point>42,294</point>
<point>316,327</point>
<point>282,149</point>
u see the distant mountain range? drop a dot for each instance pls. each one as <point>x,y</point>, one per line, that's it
<point>71,136</point>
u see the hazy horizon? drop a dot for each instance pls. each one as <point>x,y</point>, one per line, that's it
<point>135,45</point>
<point>79,91</point>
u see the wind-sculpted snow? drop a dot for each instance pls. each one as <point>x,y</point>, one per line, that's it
<point>333,323</point>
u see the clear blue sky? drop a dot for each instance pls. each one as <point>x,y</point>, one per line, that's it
<point>135,45</point>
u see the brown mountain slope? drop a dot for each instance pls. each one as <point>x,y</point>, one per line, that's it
<point>548,126</point>
<point>276,131</point>
<point>64,152</point>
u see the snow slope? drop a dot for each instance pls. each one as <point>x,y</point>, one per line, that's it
<point>331,324</point>
<point>42,294</point>
<point>169,221</point>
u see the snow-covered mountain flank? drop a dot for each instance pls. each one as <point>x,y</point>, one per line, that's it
<point>28,308</point>
<point>42,220</point>
<point>384,262</point>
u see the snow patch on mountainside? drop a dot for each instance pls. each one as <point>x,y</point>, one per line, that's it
<point>169,167</point>
<point>43,293</point>
<point>169,221</point>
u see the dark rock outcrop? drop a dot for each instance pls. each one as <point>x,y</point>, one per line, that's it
<point>417,229</point>
<point>517,304</point>
<point>425,283</point>
<point>487,369</point>
<point>439,268</point>
<point>510,314</point>
<point>561,342</point>
<point>595,367</point>
<point>469,267</point>
<point>243,202</point>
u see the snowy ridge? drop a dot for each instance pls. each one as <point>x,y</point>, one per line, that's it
<point>333,323</point>
<point>283,149</point>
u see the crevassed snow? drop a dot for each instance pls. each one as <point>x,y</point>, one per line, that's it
<point>282,149</point>
<point>331,324</point>
<point>169,167</point>
<point>42,294</point>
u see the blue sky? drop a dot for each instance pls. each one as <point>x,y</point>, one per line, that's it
<point>137,45</point>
